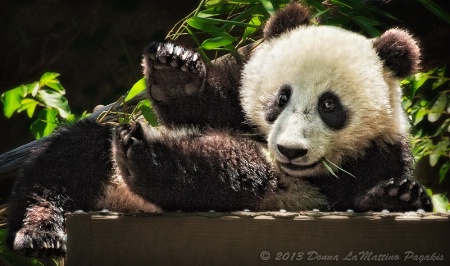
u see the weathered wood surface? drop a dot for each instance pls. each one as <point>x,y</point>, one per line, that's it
<point>258,239</point>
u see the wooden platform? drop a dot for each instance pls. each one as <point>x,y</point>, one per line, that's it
<point>246,238</point>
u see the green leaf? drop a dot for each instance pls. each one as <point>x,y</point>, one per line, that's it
<point>29,105</point>
<point>256,20</point>
<point>434,158</point>
<point>70,119</point>
<point>366,20</point>
<point>338,167</point>
<point>12,100</point>
<point>319,14</point>
<point>443,171</point>
<point>145,108</point>
<point>436,9</point>
<point>438,83</point>
<point>440,203</point>
<point>211,3</point>
<point>207,24</point>
<point>371,30</point>
<point>339,3</point>
<point>268,6</point>
<point>45,123</point>
<point>54,99</point>
<point>377,10</point>
<point>438,107</point>
<point>48,77</point>
<point>216,42</point>
<point>419,80</point>
<point>419,115</point>
<point>202,24</point>
<point>441,149</point>
<point>329,168</point>
<point>50,80</point>
<point>406,103</point>
<point>33,88</point>
<point>56,86</point>
<point>137,88</point>
<point>317,5</point>
<point>217,10</point>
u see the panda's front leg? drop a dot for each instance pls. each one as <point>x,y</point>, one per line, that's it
<point>186,91</point>
<point>395,195</point>
<point>191,170</point>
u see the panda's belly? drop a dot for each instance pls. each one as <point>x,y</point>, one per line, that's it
<point>118,197</point>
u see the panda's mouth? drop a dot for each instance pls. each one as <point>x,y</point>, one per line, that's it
<point>297,167</point>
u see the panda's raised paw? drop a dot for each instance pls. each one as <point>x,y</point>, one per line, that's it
<point>171,55</point>
<point>172,71</point>
<point>37,243</point>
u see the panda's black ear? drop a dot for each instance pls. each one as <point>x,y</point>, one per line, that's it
<point>399,52</point>
<point>292,16</point>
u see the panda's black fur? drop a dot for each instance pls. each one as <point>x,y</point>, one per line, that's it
<point>207,154</point>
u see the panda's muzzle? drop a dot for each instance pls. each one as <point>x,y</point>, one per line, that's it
<point>291,153</point>
<point>297,167</point>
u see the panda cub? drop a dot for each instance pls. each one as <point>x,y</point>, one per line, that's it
<point>315,95</point>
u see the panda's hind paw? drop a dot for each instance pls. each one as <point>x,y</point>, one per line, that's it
<point>395,195</point>
<point>37,243</point>
<point>408,192</point>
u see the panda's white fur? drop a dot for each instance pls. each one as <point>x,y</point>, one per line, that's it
<point>313,60</point>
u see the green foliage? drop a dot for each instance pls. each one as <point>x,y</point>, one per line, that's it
<point>48,95</point>
<point>354,15</point>
<point>142,108</point>
<point>137,88</point>
<point>440,202</point>
<point>436,10</point>
<point>427,101</point>
<point>225,25</point>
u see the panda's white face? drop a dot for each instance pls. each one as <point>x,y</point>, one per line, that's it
<point>320,93</point>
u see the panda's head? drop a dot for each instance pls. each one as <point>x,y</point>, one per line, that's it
<point>324,93</point>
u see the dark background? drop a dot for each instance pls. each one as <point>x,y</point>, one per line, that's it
<point>95,46</point>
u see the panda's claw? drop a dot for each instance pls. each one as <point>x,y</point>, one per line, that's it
<point>35,243</point>
<point>169,54</point>
<point>129,134</point>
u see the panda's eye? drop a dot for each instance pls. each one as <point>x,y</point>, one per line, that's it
<point>284,95</point>
<point>277,103</point>
<point>283,99</point>
<point>328,105</point>
<point>332,112</point>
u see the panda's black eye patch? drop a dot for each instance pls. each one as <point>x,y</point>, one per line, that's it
<point>333,114</point>
<point>277,104</point>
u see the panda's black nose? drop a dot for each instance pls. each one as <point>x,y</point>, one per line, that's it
<point>292,153</point>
